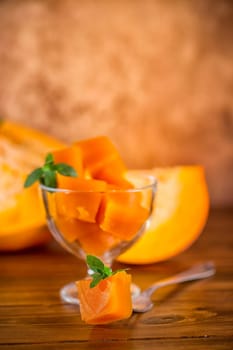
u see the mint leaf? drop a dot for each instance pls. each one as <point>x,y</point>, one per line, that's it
<point>49,178</point>
<point>33,177</point>
<point>96,278</point>
<point>66,170</point>
<point>47,174</point>
<point>95,264</point>
<point>107,271</point>
<point>100,270</point>
<point>49,159</point>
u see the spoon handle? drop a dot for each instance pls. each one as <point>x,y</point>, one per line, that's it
<point>196,272</point>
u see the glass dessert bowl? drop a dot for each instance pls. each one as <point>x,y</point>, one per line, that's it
<point>103,222</point>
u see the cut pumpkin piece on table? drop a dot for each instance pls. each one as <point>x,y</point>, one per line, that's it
<point>21,225</point>
<point>31,204</point>
<point>84,202</point>
<point>71,156</point>
<point>108,301</point>
<point>90,237</point>
<point>23,149</point>
<point>122,215</point>
<point>179,216</point>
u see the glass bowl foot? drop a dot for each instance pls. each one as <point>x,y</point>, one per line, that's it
<point>69,293</point>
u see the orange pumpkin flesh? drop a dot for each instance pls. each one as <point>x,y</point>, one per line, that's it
<point>113,172</point>
<point>83,204</point>
<point>120,217</point>
<point>107,302</point>
<point>96,242</point>
<point>71,156</point>
<point>181,211</point>
<point>96,152</point>
<point>90,237</point>
<point>102,160</point>
<point>21,150</point>
<point>23,236</point>
<point>80,184</point>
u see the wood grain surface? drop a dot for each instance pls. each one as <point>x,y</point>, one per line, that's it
<point>196,315</point>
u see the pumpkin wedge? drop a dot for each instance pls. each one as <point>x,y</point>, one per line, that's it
<point>21,150</point>
<point>108,301</point>
<point>180,214</point>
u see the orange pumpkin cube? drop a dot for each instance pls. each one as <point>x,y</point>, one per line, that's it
<point>71,156</point>
<point>97,152</point>
<point>122,215</point>
<point>84,202</point>
<point>80,184</point>
<point>70,228</point>
<point>96,241</point>
<point>109,301</point>
<point>90,237</point>
<point>113,173</point>
<point>102,160</point>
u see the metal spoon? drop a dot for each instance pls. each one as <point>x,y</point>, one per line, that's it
<point>143,303</point>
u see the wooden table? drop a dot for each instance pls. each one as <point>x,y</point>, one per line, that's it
<point>196,315</point>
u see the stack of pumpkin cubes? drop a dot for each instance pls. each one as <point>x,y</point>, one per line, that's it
<point>99,214</point>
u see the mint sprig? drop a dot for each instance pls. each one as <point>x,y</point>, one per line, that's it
<point>100,270</point>
<point>46,175</point>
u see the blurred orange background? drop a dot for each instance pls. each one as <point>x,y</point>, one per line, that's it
<point>155,76</point>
